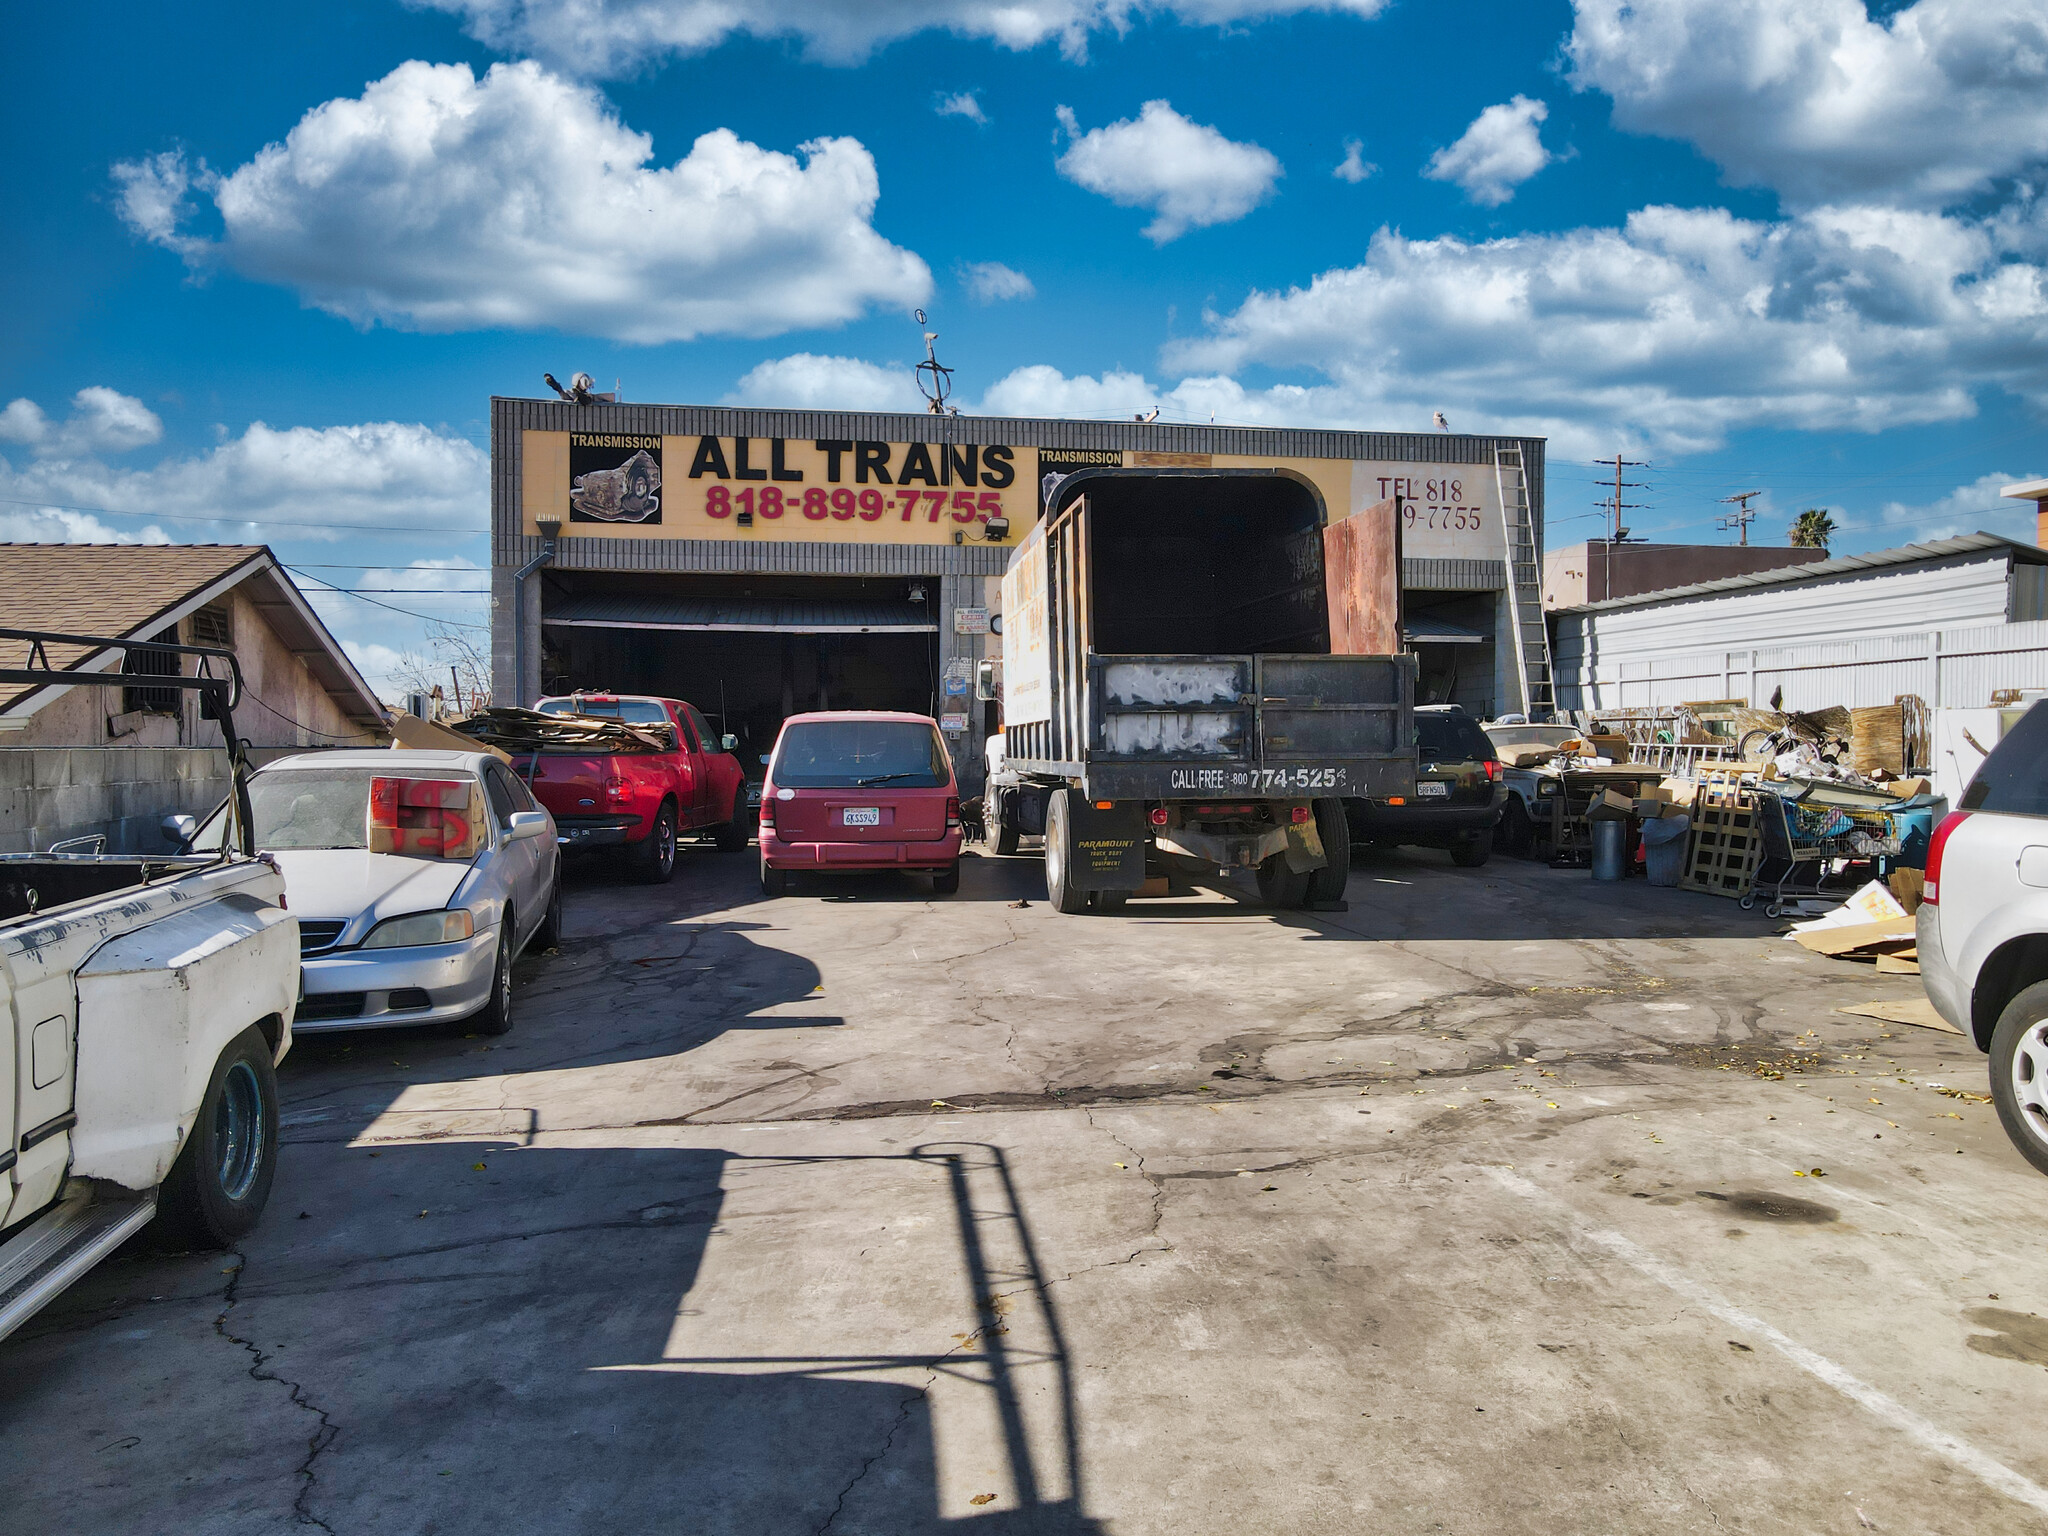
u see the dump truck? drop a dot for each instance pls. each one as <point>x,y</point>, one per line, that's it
<point>1199,668</point>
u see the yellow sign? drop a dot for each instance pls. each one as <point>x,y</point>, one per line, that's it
<point>826,490</point>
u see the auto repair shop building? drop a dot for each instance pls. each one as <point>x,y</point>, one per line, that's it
<point>759,563</point>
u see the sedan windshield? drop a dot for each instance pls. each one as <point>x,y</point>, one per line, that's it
<point>855,754</point>
<point>298,808</point>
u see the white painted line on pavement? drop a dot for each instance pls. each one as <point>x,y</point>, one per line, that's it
<point>1989,1469</point>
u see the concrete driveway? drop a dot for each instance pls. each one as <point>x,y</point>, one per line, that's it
<point>1503,1202</point>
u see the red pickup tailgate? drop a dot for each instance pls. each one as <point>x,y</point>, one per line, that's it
<point>576,786</point>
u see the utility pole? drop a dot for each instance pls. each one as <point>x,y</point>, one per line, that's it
<point>1615,507</point>
<point>1742,519</point>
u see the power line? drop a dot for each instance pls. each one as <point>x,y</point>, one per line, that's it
<point>1741,519</point>
<point>428,618</point>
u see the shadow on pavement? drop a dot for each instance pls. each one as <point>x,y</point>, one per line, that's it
<point>481,1345</point>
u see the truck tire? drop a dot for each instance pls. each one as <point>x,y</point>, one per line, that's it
<point>1002,833</point>
<point>1280,886</point>
<point>218,1185</point>
<point>732,835</point>
<point>1327,883</point>
<point>2019,1073</point>
<point>1472,849</point>
<point>495,1017</point>
<point>654,857</point>
<point>1111,901</point>
<point>1058,891</point>
<point>1516,834</point>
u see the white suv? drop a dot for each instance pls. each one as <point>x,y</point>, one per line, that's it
<point>1983,926</point>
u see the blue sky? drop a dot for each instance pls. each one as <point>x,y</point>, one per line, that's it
<point>275,262</point>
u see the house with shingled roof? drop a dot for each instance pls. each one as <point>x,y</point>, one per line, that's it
<point>111,754</point>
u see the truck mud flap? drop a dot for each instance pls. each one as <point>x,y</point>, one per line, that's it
<point>1108,847</point>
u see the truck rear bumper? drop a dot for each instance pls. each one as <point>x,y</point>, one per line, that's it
<point>375,988</point>
<point>579,832</point>
<point>778,854</point>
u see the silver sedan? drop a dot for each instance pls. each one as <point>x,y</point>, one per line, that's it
<point>417,878</point>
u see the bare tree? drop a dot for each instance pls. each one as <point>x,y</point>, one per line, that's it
<point>453,663</point>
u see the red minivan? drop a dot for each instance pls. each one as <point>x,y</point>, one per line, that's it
<point>860,789</point>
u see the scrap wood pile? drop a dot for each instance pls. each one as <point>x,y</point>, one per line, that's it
<point>528,730</point>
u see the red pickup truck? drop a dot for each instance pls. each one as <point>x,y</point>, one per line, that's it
<point>641,801</point>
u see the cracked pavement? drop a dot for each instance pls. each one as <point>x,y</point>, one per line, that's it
<point>1500,1202</point>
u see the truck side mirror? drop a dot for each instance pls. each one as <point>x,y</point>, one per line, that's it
<point>728,742</point>
<point>178,830</point>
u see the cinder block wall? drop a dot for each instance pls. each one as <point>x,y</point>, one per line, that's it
<point>48,794</point>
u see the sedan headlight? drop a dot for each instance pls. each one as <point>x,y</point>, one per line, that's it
<point>421,928</point>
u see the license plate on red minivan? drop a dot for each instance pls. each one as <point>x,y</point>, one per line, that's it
<point>861,816</point>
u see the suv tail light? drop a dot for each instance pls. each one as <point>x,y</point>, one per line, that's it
<point>1932,894</point>
<point>952,810</point>
<point>768,812</point>
<point>1493,770</point>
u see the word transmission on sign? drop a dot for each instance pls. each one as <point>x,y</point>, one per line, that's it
<point>843,504</point>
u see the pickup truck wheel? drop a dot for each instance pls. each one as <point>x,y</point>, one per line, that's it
<point>218,1185</point>
<point>1058,891</point>
<point>946,881</point>
<point>2019,1073</point>
<point>655,858</point>
<point>495,1017</point>
<point>732,837</point>
<point>1280,886</point>
<point>1516,834</point>
<point>1471,850</point>
<point>1327,883</point>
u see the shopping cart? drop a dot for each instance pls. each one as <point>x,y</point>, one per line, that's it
<point>1814,852</point>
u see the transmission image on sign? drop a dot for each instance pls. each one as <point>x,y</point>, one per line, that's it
<point>614,477</point>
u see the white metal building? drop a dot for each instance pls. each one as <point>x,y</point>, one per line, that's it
<point>1951,621</point>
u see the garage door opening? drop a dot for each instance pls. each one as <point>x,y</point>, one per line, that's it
<point>748,651</point>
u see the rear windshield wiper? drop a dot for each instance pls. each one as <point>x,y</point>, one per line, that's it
<point>884,778</point>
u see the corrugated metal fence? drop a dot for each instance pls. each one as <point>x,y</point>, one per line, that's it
<point>1951,668</point>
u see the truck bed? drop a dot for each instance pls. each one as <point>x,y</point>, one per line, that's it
<point>1172,727</point>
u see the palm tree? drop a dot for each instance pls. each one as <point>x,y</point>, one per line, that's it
<point>1812,529</point>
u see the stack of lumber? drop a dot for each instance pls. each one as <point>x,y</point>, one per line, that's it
<point>528,730</point>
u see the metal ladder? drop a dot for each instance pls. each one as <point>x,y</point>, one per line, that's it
<point>1525,587</point>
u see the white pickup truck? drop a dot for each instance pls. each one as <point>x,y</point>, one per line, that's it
<point>144,1005</point>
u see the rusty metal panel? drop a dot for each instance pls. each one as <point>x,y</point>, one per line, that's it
<point>1362,579</point>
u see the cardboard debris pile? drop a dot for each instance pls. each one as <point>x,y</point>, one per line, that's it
<point>528,730</point>
<point>1874,924</point>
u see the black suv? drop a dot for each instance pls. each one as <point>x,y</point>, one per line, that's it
<point>1458,796</point>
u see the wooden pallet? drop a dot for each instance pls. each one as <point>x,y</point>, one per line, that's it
<point>1723,845</point>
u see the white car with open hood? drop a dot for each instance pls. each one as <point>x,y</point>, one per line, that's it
<point>417,878</point>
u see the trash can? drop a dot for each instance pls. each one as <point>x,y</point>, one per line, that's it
<point>1664,845</point>
<point>1610,849</point>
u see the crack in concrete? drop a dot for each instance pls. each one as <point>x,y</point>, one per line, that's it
<point>910,1400</point>
<point>259,1370</point>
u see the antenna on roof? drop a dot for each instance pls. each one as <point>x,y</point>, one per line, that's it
<point>941,384</point>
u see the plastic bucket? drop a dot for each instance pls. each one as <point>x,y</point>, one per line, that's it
<point>1664,844</point>
<point>1610,849</point>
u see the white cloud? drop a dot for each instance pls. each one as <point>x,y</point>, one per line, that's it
<point>990,282</point>
<point>21,525</point>
<point>1188,174</point>
<point>1819,101</point>
<point>961,104</point>
<point>268,484</point>
<point>101,421</point>
<point>1354,167</point>
<point>440,202</point>
<point>627,37</point>
<point>1499,152</point>
<point>809,382</point>
<point>1667,332</point>
<point>1967,509</point>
